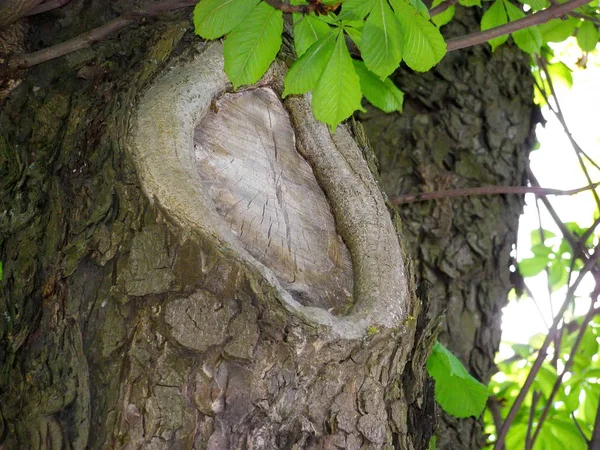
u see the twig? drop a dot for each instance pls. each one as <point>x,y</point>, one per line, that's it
<point>442,7</point>
<point>534,19</point>
<point>47,6</point>
<point>97,34</point>
<point>494,406</point>
<point>487,190</point>
<point>561,118</point>
<point>574,243</point>
<point>576,422</point>
<point>594,443</point>
<point>534,399</point>
<point>585,17</point>
<point>589,264</point>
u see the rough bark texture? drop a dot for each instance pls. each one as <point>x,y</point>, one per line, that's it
<point>120,329</point>
<point>466,123</point>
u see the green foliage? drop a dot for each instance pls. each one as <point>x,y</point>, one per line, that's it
<point>445,17</point>
<point>424,46</point>
<point>381,93</point>
<point>307,31</point>
<point>214,18</point>
<point>250,49</point>
<point>457,392</point>
<point>577,397</point>
<point>385,32</point>
<point>557,30</point>
<point>494,17</point>
<point>587,36</point>
<point>381,41</point>
<point>337,93</point>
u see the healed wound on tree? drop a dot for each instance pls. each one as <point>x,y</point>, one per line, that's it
<point>269,196</point>
<point>277,189</point>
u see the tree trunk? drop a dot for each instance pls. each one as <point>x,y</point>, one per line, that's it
<point>469,122</point>
<point>137,314</point>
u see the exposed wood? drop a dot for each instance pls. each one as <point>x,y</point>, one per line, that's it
<point>268,194</point>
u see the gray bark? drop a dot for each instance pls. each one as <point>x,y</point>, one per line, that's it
<point>124,324</point>
<point>469,122</point>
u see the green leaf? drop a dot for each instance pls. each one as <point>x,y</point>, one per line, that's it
<point>307,31</point>
<point>557,274</point>
<point>530,267</point>
<point>250,48</point>
<point>589,345</point>
<point>492,18</point>
<point>523,350</point>
<point>381,93</point>
<point>337,94</point>
<point>443,18</point>
<point>306,71</point>
<point>541,250</point>
<point>214,18</point>
<point>536,5</point>
<point>587,36</point>
<point>355,33</point>
<point>457,392</point>
<point>560,74</point>
<point>557,30</point>
<point>470,3</point>
<point>529,39</point>
<point>546,378</point>
<point>536,238</point>
<point>356,9</point>
<point>420,8</point>
<point>423,46</point>
<point>380,46</point>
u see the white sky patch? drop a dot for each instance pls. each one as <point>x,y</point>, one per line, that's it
<point>555,165</point>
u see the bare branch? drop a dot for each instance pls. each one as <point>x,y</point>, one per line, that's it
<point>486,190</point>
<point>442,7</point>
<point>46,6</point>
<point>585,17</point>
<point>537,18</point>
<point>97,34</point>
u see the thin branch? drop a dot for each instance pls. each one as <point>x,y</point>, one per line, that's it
<point>494,406</point>
<point>585,17</point>
<point>97,34</point>
<point>47,6</point>
<point>537,18</point>
<point>576,423</point>
<point>442,7</point>
<point>535,397</point>
<point>561,118</point>
<point>487,190</point>
<point>589,264</point>
<point>594,443</point>
<point>574,243</point>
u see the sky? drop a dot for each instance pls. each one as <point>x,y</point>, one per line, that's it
<point>556,166</point>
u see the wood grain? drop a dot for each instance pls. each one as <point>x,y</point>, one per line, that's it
<point>246,155</point>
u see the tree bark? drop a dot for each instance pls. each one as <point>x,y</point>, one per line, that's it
<point>127,323</point>
<point>469,122</point>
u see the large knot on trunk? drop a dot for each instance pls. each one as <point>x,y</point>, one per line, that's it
<point>277,190</point>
